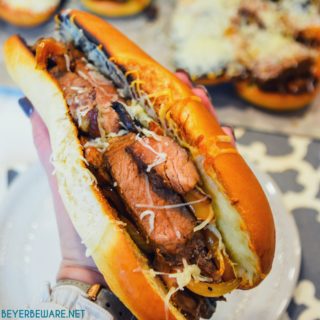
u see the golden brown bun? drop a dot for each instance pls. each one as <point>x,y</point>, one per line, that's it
<point>114,252</point>
<point>116,9</point>
<point>25,18</point>
<point>273,101</point>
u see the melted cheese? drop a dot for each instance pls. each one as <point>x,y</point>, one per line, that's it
<point>36,6</point>
<point>212,38</point>
<point>204,54</point>
<point>300,15</point>
<point>198,32</point>
<point>267,53</point>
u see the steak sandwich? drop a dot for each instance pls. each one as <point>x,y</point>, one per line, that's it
<point>168,209</point>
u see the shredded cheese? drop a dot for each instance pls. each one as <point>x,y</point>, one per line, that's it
<point>170,206</point>
<point>137,112</point>
<point>82,75</point>
<point>78,89</point>
<point>217,233</point>
<point>117,134</point>
<point>161,156</point>
<point>178,234</point>
<point>183,278</point>
<point>151,215</point>
<point>149,133</point>
<point>204,223</point>
<point>99,143</point>
<point>82,112</point>
<point>67,58</point>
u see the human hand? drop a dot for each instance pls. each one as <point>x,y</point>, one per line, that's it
<point>74,265</point>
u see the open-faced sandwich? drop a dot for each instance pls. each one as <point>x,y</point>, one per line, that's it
<point>27,13</point>
<point>255,44</point>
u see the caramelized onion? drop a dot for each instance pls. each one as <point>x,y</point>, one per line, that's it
<point>213,246</point>
<point>202,209</point>
<point>48,48</point>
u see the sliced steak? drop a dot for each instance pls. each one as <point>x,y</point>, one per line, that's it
<point>172,226</point>
<point>176,168</point>
<point>90,106</point>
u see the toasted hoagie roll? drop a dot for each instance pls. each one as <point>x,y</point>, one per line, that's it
<point>27,13</point>
<point>170,212</point>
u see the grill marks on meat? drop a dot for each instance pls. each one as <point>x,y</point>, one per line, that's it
<point>89,96</point>
<point>177,171</point>
<point>172,226</point>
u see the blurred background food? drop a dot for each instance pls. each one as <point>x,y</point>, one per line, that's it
<point>28,13</point>
<point>273,61</point>
<point>268,48</point>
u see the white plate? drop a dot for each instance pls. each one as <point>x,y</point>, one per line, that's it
<point>29,252</point>
<point>271,298</point>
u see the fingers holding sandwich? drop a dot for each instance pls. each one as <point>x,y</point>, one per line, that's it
<point>75,264</point>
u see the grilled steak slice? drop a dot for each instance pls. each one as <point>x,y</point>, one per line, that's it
<point>89,96</point>
<point>172,227</point>
<point>175,168</point>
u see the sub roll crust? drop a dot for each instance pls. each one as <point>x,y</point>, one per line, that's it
<point>27,13</point>
<point>156,190</point>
